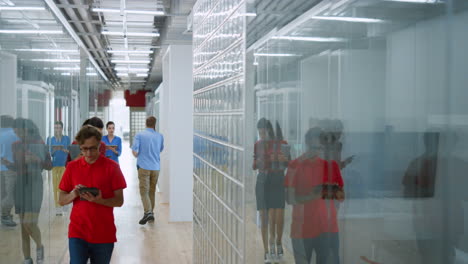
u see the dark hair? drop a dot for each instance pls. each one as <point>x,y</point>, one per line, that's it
<point>6,121</point>
<point>313,133</point>
<point>266,124</point>
<point>109,123</point>
<point>59,123</point>
<point>151,121</point>
<point>32,131</point>
<point>86,132</point>
<point>95,122</point>
<point>279,132</point>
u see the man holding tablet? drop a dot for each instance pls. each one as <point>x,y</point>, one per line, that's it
<point>92,231</point>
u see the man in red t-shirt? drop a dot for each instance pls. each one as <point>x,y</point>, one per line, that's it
<point>92,232</point>
<point>312,185</point>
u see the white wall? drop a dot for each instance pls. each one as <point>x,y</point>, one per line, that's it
<point>177,128</point>
<point>8,84</point>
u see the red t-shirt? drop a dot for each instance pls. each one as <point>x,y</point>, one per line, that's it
<point>318,216</point>
<point>90,221</point>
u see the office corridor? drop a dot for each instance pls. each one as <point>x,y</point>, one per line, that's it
<point>158,242</point>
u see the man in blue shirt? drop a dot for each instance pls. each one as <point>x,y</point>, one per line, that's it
<point>147,147</point>
<point>7,174</point>
<point>58,145</point>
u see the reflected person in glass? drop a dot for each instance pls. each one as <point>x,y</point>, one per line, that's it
<point>31,157</point>
<point>435,184</point>
<point>312,186</point>
<point>7,170</point>
<point>270,162</point>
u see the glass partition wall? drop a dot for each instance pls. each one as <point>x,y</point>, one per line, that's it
<point>354,133</point>
<point>383,85</point>
<point>39,85</point>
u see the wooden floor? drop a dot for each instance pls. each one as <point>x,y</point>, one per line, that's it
<point>159,242</point>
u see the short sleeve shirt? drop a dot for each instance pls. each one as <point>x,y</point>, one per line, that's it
<point>317,216</point>
<point>59,157</point>
<point>89,221</point>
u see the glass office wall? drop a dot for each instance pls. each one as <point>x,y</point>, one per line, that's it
<point>39,83</point>
<point>368,114</point>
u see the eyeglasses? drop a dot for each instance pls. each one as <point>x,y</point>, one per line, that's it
<point>91,149</point>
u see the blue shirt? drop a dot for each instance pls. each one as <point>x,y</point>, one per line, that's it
<point>115,141</point>
<point>59,157</point>
<point>7,138</point>
<point>148,144</point>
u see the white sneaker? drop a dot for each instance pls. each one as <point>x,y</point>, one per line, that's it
<point>39,255</point>
<point>28,261</point>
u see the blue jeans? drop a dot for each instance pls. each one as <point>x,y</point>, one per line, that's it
<point>326,247</point>
<point>81,250</point>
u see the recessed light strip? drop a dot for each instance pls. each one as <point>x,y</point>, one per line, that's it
<point>21,8</point>
<point>131,34</point>
<point>142,12</point>
<point>349,19</point>
<point>24,31</point>
<point>276,55</point>
<point>49,50</point>
<point>131,61</point>
<point>130,51</point>
<point>311,39</point>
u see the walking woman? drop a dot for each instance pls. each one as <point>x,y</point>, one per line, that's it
<point>31,157</point>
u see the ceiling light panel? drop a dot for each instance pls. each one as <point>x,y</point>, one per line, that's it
<point>22,8</point>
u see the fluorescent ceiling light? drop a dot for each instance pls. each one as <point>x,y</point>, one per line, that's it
<point>143,12</point>
<point>249,14</point>
<point>418,1</point>
<point>117,23</point>
<point>20,31</point>
<point>311,39</point>
<point>349,19</point>
<point>91,74</point>
<point>21,8</point>
<point>122,74</point>
<point>65,74</point>
<point>66,68</point>
<point>131,34</point>
<point>131,61</point>
<point>276,55</point>
<point>55,60</point>
<point>130,51</point>
<point>48,50</point>
<point>106,10</point>
<point>124,69</point>
<point>142,75</point>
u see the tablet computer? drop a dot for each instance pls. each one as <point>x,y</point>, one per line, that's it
<point>74,150</point>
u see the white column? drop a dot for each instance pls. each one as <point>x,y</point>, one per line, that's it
<point>8,98</point>
<point>84,88</point>
<point>177,127</point>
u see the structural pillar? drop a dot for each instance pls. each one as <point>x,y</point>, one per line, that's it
<point>176,123</point>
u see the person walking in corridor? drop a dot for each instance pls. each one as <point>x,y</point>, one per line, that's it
<point>58,147</point>
<point>147,147</point>
<point>94,184</point>
<point>7,170</point>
